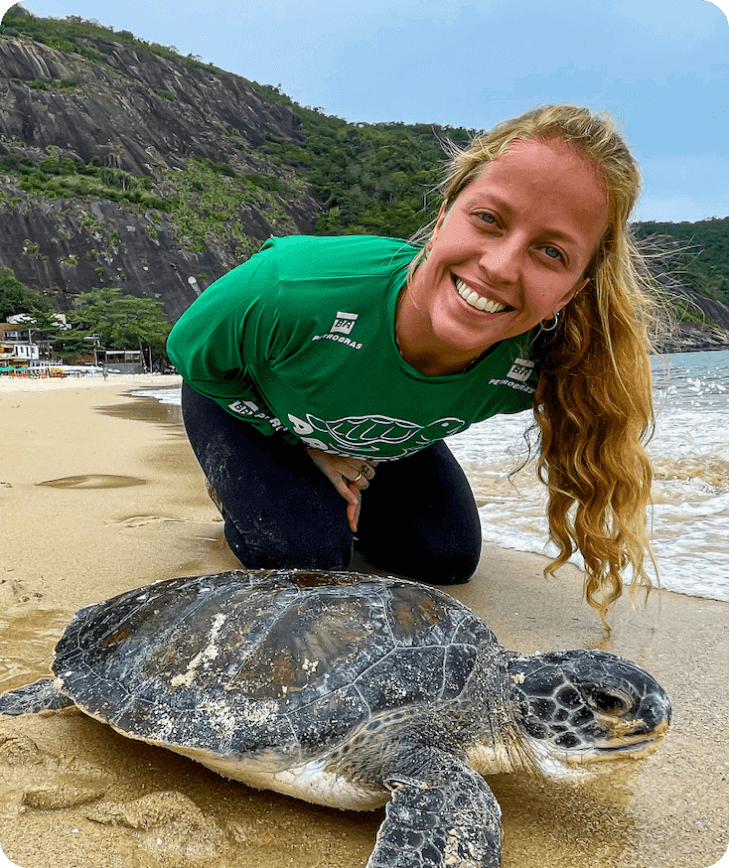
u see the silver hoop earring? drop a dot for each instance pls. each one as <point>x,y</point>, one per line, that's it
<point>552,326</point>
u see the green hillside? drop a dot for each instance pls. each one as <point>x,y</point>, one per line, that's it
<point>700,257</point>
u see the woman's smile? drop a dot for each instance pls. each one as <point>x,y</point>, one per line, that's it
<point>479,301</point>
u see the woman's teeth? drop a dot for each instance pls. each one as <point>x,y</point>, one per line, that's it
<point>476,300</point>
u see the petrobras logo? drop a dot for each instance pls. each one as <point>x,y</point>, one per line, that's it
<point>243,408</point>
<point>521,370</point>
<point>340,330</point>
<point>251,410</point>
<point>343,323</point>
<point>517,376</point>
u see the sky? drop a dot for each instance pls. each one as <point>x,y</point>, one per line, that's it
<point>661,67</point>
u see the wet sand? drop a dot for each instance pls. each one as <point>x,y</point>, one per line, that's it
<point>99,493</point>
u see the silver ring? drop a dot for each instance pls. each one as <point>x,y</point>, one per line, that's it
<point>358,477</point>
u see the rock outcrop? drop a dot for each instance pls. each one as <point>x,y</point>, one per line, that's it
<point>186,135</point>
<point>685,337</point>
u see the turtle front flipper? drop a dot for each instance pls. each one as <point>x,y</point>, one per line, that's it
<point>32,698</point>
<point>444,815</point>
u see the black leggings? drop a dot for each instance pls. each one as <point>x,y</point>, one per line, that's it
<point>419,518</point>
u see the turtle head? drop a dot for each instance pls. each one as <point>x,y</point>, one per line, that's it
<point>584,707</point>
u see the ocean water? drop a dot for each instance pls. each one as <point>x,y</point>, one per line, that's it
<point>689,518</point>
<point>690,455</point>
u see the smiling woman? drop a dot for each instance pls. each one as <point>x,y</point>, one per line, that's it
<point>324,368</point>
<point>593,402</point>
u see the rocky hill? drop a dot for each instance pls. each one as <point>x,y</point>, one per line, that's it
<point>119,167</point>
<point>701,323</point>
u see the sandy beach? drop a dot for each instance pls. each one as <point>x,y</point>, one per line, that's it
<point>100,493</point>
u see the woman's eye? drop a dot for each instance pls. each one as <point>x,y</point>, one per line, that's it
<point>487,218</point>
<point>553,252</point>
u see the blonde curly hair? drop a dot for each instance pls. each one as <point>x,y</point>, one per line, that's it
<point>593,404</point>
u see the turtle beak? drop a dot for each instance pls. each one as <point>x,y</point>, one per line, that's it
<point>654,714</point>
<point>641,734</point>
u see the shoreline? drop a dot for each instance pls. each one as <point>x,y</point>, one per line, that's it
<point>10,385</point>
<point>100,493</point>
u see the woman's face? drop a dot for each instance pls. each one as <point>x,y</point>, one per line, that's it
<point>512,249</point>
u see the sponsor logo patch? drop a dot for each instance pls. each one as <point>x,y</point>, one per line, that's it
<point>341,329</point>
<point>521,370</point>
<point>517,376</point>
<point>344,323</point>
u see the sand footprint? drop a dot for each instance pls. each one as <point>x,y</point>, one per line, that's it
<point>73,791</point>
<point>20,750</point>
<point>15,591</point>
<point>93,480</point>
<point>168,824</point>
<point>38,779</point>
<point>144,520</point>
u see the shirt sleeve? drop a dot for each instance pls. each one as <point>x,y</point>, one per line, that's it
<point>228,330</point>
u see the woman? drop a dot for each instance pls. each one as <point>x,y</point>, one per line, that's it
<point>323,374</point>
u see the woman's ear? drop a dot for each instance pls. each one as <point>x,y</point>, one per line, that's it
<point>570,294</point>
<point>439,221</point>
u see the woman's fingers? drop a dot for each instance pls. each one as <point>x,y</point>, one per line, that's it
<point>349,476</point>
<point>353,470</point>
<point>350,491</point>
<point>365,471</point>
<point>353,511</point>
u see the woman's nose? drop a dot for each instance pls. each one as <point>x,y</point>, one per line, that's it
<point>501,260</point>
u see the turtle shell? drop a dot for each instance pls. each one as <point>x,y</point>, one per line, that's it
<point>252,662</point>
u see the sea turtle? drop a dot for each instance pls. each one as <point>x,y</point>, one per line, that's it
<point>351,691</point>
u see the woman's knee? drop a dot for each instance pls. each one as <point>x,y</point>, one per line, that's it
<point>286,548</point>
<point>433,560</point>
<point>445,568</point>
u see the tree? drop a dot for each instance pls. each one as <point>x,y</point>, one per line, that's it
<point>14,296</point>
<point>43,322</point>
<point>121,321</point>
<point>45,328</point>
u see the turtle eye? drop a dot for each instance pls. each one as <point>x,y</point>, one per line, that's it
<point>609,702</point>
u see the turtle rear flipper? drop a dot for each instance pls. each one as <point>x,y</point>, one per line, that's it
<point>446,816</point>
<point>32,698</point>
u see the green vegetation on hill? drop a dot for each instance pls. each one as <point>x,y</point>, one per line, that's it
<point>69,34</point>
<point>205,201</point>
<point>54,177</point>
<point>62,85</point>
<point>375,179</point>
<point>699,253</point>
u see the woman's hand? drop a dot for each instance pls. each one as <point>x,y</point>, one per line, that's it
<point>350,476</point>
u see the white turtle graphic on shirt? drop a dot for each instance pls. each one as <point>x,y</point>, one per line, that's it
<point>364,436</point>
